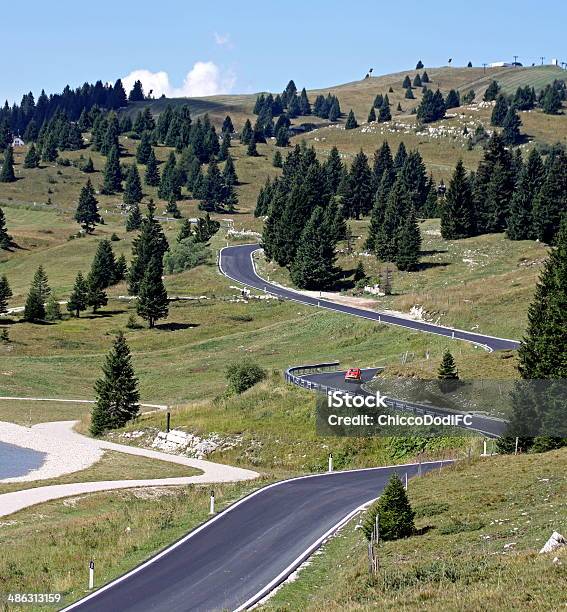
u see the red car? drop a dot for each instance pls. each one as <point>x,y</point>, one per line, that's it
<point>353,375</point>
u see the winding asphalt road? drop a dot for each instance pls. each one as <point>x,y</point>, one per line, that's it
<point>236,263</point>
<point>236,558</point>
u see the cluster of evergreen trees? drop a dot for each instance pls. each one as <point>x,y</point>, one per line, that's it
<point>432,107</point>
<point>327,107</point>
<point>382,103</point>
<point>549,99</point>
<point>524,198</point>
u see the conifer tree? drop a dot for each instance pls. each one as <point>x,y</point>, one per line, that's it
<point>314,264</point>
<point>394,513</point>
<point>371,115</point>
<point>225,145</point>
<point>401,156</point>
<point>497,200</point>
<point>419,65</point>
<point>378,101</point>
<point>246,133</point>
<point>172,209</point>
<point>134,219</point>
<point>447,368</point>
<point>151,176</point>
<point>229,171</point>
<point>227,126</point>
<point>121,269</point>
<point>277,161</point>
<point>457,217</point>
<point>77,301</point>
<point>32,158</point>
<point>169,186</point>
<point>39,292</point>
<point>333,169</point>
<point>5,238</point>
<point>96,297</point>
<point>144,149</point>
<point>385,114</point>
<point>112,174</point>
<point>150,244</point>
<point>136,93</point>
<point>551,102</point>
<point>184,231</point>
<point>397,208</point>
<point>117,396</point>
<point>417,80</point>
<point>88,166</point>
<point>407,82</point>
<point>87,208</point>
<point>53,310</point>
<point>409,94</point>
<point>499,111</point>
<point>133,187</point>
<point>103,267</point>
<point>7,173</point>
<point>399,108</point>
<point>359,199</point>
<point>49,148</point>
<point>152,301</point>
<point>551,201</point>
<point>491,92</point>
<point>5,294</point>
<point>252,151</point>
<point>408,244</point>
<point>520,222</point>
<point>453,99</point>
<point>511,124</point>
<point>425,77</point>
<point>282,137</point>
<point>351,123</point>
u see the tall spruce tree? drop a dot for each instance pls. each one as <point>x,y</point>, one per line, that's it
<point>151,176</point>
<point>398,206</point>
<point>133,187</point>
<point>371,115</point>
<point>169,186</point>
<point>447,368</point>
<point>511,124</point>
<point>87,214</point>
<point>5,238</point>
<point>457,217</point>
<point>134,219</point>
<point>5,294</point>
<point>103,267</point>
<point>499,111</point>
<point>491,92</point>
<point>32,158</point>
<point>520,222</point>
<point>78,300</point>
<point>351,122</point>
<point>117,396</point>
<point>408,244</point>
<point>96,296</point>
<point>551,201</point>
<point>453,99</point>
<point>314,264</point>
<point>144,148</point>
<point>152,301</point>
<point>7,173</point>
<point>112,181</point>
<point>34,309</point>
<point>359,199</point>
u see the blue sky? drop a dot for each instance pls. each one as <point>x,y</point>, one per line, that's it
<point>247,46</point>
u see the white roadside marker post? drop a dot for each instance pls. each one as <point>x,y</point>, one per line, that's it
<point>330,462</point>
<point>91,574</point>
<point>212,506</point>
<point>516,449</point>
<point>484,454</point>
<point>406,481</point>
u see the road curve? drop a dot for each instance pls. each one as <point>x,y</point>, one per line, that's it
<point>236,263</point>
<point>234,559</point>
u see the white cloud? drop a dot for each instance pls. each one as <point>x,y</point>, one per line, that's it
<point>222,39</point>
<point>204,79</point>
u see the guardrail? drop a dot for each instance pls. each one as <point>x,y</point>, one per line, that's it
<point>291,376</point>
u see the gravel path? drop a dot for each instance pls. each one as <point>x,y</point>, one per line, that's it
<point>68,451</point>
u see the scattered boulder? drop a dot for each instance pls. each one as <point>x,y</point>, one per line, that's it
<point>555,541</point>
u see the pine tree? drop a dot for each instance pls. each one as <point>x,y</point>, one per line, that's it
<point>32,158</point>
<point>184,231</point>
<point>313,266</point>
<point>394,513</point>
<point>491,92</point>
<point>152,301</point>
<point>5,238</point>
<point>499,111</point>
<point>229,171</point>
<point>252,151</point>
<point>397,208</point>
<point>112,173</point>
<point>351,123</point>
<point>419,65</point>
<point>144,149</point>
<point>359,199</point>
<point>407,82</point>
<point>87,208</point>
<point>425,77</point>
<point>136,93</point>
<point>511,124</point>
<point>53,310</point>
<point>134,219</point>
<point>49,148</point>
<point>453,99</point>
<point>96,297</point>
<point>408,244</point>
<point>246,133</point>
<point>150,244</point>
<point>401,156</point>
<point>447,368</point>
<point>457,217</point>
<point>39,292</point>
<point>497,200</point>
<point>117,396</point>
<point>88,166</point>
<point>225,145</point>
<point>282,137</point>
<point>172,209</point>
<point>77,301</point>
<point>227,126</point>
<point>409,94</point>
<point>277,161</point>
<point>520,222</point>
<point>551,200</point>
<point>7,173</point>
<point>169,186</point>
<point>5,294</point>
<point>385,113</point>
<point>371,115</point>
<point>133,187</point>
<point>121,269</point>
<point>551,103</point>
<point>151,176</point>
<point>103,267</point>
<point>399,108</point>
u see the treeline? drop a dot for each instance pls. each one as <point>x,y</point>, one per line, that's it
<point>549,99</point>
<point>524,198</point>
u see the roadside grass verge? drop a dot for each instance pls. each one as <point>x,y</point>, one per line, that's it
<point>112,466</point>
<point>51,544</point>
<point>483,526</point>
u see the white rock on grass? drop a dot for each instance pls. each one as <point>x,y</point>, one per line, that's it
<point>555,541</point>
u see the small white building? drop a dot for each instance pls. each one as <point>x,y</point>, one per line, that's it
<point>18,142</point>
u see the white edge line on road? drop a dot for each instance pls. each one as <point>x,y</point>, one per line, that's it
<point>400,324</point>
<point>221,514</point>
<point>72,401</point>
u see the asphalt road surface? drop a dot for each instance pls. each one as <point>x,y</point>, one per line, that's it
<point>236,263</point>
<point>258,542</point>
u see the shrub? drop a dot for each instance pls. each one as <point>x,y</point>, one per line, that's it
<point>184,255</point>
<point>244,374</point>
<point>395,515</point>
